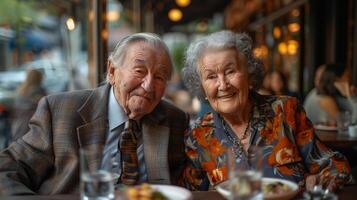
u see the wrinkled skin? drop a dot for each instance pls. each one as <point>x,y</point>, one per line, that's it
<point>140,82</point>
<point>224,78</point>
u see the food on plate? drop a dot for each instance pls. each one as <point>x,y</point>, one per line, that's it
<point>273,188</point>
<point>143,192</point>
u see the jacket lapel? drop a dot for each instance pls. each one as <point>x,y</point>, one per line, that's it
<point>155,141</point>
<point>92,134</point>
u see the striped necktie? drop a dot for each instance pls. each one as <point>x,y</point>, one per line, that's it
<point>128,145</point>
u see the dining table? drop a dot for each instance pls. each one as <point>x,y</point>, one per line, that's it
<point>341,143</point>
<point>334,140</point>
<point>349,192</point>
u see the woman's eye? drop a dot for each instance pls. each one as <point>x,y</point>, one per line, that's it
<point>230,71</point>
<point>211,76</point>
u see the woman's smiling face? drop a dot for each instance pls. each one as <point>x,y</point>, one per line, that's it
<point>224,78</point>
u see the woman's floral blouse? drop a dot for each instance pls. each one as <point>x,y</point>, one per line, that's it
<point>291,149</point>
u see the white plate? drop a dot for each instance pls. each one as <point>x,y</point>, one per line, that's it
<point>222,188</point>
<point>325,128</point>
<point>282,196</point>
<point>173,192</point>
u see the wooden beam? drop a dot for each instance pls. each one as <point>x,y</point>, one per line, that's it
<point>275,15</point>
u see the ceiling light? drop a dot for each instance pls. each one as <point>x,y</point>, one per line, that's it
<point>294,27</point>
<point>113,16</point>
<point>175,15</point>
<point>277,32</point>
<point>70,24</point>
<point>183,3</point>
<point>295,13</point>
<point>282,48</point>
<point>292,47</point>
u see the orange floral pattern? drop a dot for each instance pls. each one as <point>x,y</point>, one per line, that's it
<point>279,125</point>
<point>283,152</point>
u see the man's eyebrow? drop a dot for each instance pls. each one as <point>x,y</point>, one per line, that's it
<point>164,69</point>
<point>139,61</point>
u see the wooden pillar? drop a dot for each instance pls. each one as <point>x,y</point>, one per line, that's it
<point>137,15</point>
<point>336,31</point>
<point>97,41</point>
<point>354,55</point>
<point>314,39</point>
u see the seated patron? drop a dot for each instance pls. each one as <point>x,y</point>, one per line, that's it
<point>279,84</point>
<point>27,96</point>
<point>46,160</point>
<point>312,97</point>
<point>221,68</point>
<point>334,94</point>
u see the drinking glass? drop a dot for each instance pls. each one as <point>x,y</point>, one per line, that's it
<point>343,121</point>
<point>246,180</point>
<point>96,181</point>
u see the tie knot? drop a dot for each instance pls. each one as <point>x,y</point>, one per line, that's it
<point>130,132</point>
<point>135,126</point>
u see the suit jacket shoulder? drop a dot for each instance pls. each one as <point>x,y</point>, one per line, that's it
<point>167,114</point>
<point>46,158</point>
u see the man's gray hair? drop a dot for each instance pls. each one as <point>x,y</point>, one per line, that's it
<point>241,42</point>
<point>119,53</point>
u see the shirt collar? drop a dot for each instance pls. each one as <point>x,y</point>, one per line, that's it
<point>116,114</point>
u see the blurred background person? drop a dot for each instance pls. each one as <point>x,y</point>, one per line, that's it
<point>312,97</point>
<point>27,96</point>
<point>335,94</point>
<point>279,84</point>
<point>265,87</point>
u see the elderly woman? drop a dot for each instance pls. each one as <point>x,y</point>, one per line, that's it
<point>221,68</point>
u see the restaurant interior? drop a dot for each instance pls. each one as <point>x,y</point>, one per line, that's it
<point>70,40</point>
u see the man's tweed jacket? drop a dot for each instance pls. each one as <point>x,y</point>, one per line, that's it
<point>45,160</point>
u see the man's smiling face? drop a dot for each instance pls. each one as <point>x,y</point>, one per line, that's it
<point>140,82</point>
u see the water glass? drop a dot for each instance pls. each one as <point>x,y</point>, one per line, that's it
<point>96,182</point>
<point>352,131</point>
<point>246,180</point>
<point>343,121</point>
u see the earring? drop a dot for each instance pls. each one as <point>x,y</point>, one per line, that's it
<point>206,98</point>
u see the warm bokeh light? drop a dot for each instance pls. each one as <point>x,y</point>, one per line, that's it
<point>261,51</point>
<point>282,48</point>
<point>277,32</point>
<point>113,16</point>
<point>175,15</point>
<point>294,27</point>
<point>70,24</point>
<point>91,15</point>
<point>292,47</point>
<point>183,3</point>
<point>105,34</point>
<point>295,13</point>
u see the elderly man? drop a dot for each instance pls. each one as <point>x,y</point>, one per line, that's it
<point>46,159</point>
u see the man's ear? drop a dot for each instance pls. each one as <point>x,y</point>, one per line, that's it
<point>110,71</point>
